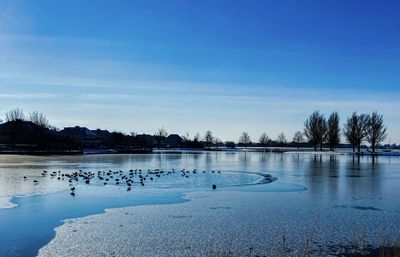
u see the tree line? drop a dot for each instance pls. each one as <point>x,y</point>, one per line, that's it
<point>31,131</point>
<point>317,132</point>
<point>356,130</point>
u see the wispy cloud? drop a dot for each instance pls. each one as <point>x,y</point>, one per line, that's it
<point>31,96</point>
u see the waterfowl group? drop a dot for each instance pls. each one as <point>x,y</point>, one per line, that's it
<point>116,177</point>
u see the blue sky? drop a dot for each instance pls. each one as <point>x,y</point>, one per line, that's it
<point>190,66</point>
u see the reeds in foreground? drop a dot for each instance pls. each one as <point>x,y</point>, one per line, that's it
<point>359,247</point>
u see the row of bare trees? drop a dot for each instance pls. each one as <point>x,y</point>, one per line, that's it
<point>263,141</point>
<point>364,127</point>
<point>32,131</point>
<point>35,117</point>
<point>318,130</point>
<point>209,139</point>
<point>245,140</point>
<point>357,129</point>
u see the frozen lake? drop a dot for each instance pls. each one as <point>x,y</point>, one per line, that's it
<point>270,202</point>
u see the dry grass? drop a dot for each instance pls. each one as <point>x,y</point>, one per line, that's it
<point>359,247</point>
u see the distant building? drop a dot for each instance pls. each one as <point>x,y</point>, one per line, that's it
<point>17,132</point>
<point>173,141</point>
<point>103,135</point>
<point>146,140</point>
<point>29,136</point>
<point>82,135</point>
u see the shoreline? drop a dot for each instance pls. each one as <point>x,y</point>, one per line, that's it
<point>178,214</point>
<point>110,151</point>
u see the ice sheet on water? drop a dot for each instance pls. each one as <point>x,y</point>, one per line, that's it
<point>232,220</point>
<point>213,223</point>
<point>5,202</point>
<point>277,186</point>
<point>13,184</point>
<point>187,180</point>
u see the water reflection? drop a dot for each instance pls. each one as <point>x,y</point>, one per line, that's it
<point>330,174</point>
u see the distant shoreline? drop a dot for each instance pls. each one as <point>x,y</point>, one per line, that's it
<point>343,151</point>
<point>74,152</point>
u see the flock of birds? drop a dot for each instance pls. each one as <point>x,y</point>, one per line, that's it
<point>128,179</point>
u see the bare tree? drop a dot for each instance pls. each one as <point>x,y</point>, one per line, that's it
<point>298,138</point>
<point>323,128</point>
<point>132,139</point>
<point>281,139</point>
<point>208,138</point>
<point>15,115</point>
<point>186,137</point>
<point>245,139</point>
<point>350,130</point>
<point>333,132</point>
<point>217,141</point>
<point>39,119</point>
<point>311,129</point>
<point>160,135</point>
<point>263,140</point>
<point>196,137</point>
<point>362,130</point>
<point>355,130</point>
<point>315,129</point>
<point>376,131</point>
